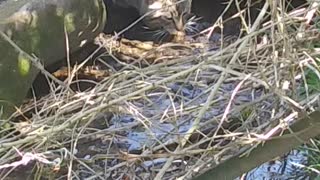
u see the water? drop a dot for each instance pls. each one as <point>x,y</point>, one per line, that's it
<point>284,168</point>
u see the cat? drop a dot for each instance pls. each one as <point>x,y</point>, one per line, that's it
<point>163,18</point>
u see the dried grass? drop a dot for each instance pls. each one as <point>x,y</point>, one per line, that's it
<point>242,94</point>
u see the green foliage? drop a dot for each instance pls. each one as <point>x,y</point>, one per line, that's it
<point>246,112</point>
<point>312,76</point>
<point>313,81</point>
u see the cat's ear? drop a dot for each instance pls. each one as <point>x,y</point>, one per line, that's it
<point>184,6</point>
<point>155,6</point>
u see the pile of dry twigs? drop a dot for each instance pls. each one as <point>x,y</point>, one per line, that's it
<point>171,110</point>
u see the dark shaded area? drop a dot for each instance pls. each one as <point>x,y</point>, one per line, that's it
<point>40,85</point>
<point>210,11</point>
<point>120,18</point>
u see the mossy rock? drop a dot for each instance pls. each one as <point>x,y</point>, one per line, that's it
<point>39,28</point>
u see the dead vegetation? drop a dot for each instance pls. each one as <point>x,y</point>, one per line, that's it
<point>171,110</point>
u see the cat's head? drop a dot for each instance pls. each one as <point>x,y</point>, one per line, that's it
<point>167,17</point>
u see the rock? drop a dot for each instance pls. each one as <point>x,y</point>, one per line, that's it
<point>37,28</point>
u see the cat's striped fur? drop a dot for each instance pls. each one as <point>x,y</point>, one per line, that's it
<point>163,17</point>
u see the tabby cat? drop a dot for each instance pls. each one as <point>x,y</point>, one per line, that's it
<point>161,17</point>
